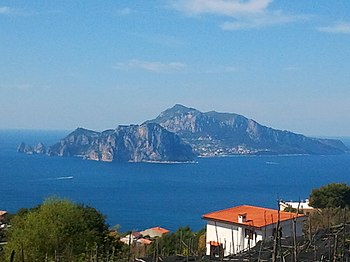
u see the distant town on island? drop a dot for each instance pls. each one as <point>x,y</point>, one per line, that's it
<point>179,134</point>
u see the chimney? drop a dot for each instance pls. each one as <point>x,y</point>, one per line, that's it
<point>242,218</point>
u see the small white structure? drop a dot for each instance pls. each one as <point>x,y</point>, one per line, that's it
<point>2,218</point>
<point>131,238</point>
<point>139,237</point>
<point>2,215</point>
<point>237,229</point>
<point>303,206</point>
<point>154,232</point>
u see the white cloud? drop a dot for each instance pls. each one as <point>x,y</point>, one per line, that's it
<point>290,69</point>
<point>261,20</point>
<point>124,11</point>
<point>10,11</point>
<point>5,10</point>
<point>337,28</point>
<point>250,14</point>
<point>220,70</point>
<point>220,7</point>
<point>231,69</point>
<point>153,66</point>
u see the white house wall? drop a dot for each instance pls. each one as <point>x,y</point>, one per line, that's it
<point>287,228</point>
<point>230,236</point>
<point>233,239</point>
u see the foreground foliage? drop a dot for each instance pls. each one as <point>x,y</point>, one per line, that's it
<point>57,230</point>
<point>183,242</point>
<point>335,195</point>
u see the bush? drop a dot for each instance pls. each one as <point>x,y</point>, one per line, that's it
<point>331,196</point>
<point>56,229</point>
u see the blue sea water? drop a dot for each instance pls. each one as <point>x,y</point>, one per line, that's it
<point>141,195</point>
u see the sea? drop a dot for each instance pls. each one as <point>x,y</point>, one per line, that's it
<point>135,196</point>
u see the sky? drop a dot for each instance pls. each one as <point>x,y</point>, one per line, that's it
<point>98,64</point>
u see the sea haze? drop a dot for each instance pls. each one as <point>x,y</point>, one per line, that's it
<point>140,195</point>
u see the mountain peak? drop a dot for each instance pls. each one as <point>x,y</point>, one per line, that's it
<point>178,108</point>
<point>81,131</point>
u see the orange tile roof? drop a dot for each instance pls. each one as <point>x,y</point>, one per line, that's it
<point>144,241</point>
<point>2,212</point>
<point>160,229</point>
<point>255,216</point>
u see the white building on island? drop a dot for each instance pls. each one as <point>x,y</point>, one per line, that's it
<point>236,229</point>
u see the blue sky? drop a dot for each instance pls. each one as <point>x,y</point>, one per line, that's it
<point>98,64</point>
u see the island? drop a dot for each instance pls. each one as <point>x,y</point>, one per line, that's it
<point>179,134</point>
<point>220,134</point>
<point>133,143</point>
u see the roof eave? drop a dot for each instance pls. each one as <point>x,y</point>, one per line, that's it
<point>233,223</point>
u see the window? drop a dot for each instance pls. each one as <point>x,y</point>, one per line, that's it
<point>249,233</point>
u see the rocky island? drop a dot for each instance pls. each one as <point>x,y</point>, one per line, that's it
<point>179,134</point>
<point>134,143</point>
<point>219,134</point>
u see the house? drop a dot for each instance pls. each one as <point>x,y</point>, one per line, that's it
<point>137,243</point>
<point>131,238</point>
<point>144,236</point>
<point>2,215</point>
<point>237,229</point>
<point>154,232</point>
<point>144,241</point>
<point>2,219</point>
<point>303,206</point>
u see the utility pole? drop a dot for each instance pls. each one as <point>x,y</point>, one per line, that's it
<point>129,251</point>
<point>344,236</point>
<point>276,234</point>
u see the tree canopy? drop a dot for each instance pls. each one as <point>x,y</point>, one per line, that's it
<point>184,242</point>
<point>57,228</point>
<point>335,195</point>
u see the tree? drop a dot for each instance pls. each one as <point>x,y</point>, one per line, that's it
<point>333,195</point>
<point>56,229</point>
<point>182,242</point>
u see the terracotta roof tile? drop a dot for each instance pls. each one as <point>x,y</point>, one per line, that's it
<point>161,230</point>
<point>255,216</point>
<point>144,241</point>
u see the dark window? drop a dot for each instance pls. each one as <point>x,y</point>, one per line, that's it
<point>249,233</point>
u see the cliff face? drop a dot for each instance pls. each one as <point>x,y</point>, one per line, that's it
<point>214,133</point>
<point>135,143</point>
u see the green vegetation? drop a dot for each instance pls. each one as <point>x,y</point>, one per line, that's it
<point>58,230</point>
<point>331,203</point>
<point>293,210</point>
<point>183,242</point>
<point>331,196</point>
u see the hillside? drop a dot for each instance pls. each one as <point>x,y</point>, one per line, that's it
<point>214,133</point>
